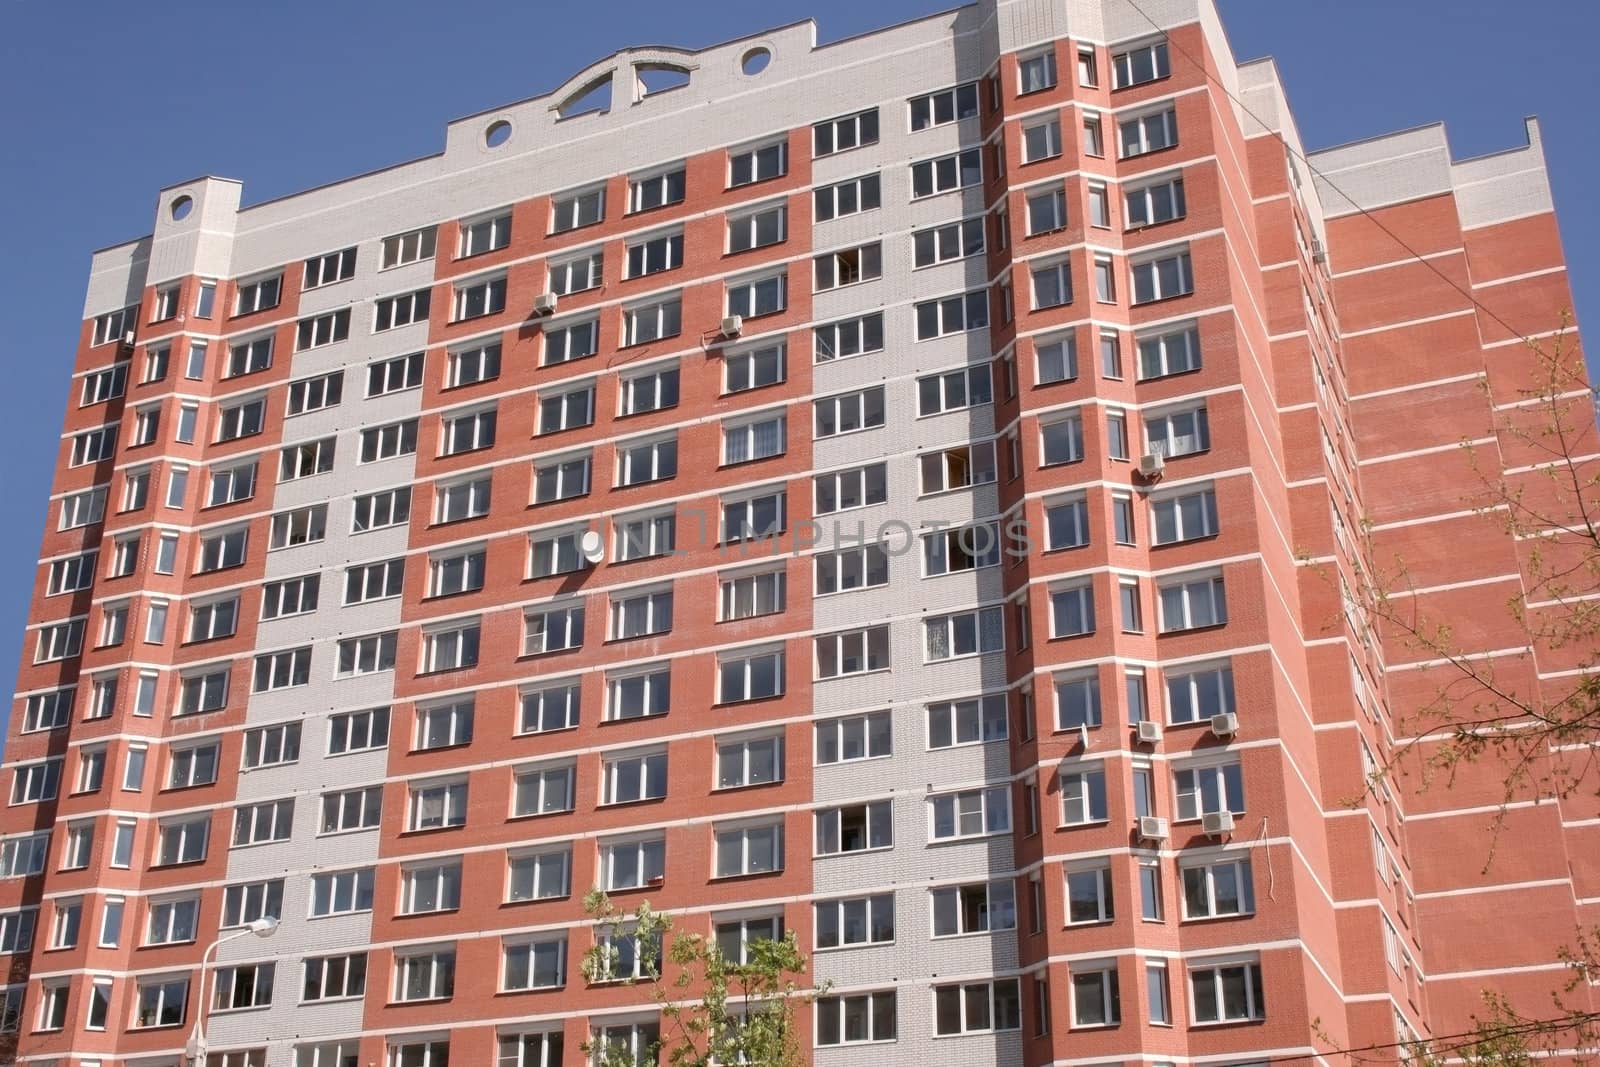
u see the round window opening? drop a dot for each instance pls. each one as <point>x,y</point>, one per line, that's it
<point>498,133</point>
<point>755,61</point>
<point>181,206</point>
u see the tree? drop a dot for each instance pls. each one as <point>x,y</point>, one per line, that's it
<point>713,1009</point>
<point>1544,733</point>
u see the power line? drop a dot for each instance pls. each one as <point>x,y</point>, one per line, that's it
<point>1287,147</point>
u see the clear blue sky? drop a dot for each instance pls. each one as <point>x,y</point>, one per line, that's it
<point>102,104</point>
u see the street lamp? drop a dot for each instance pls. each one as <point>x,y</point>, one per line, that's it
<point>195,1051</point>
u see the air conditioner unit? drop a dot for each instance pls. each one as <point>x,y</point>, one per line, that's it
<point>733,326</point>
<point>544,304</point>
<point>1318,253</point>
<point>1152,828</point>
<point>1149,731</point>
<point>127,338</point>
<point>1225,725</point>
<point>1151,464</point>
<point>1217,823</point>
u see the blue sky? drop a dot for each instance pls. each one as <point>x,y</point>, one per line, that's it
<point>102,104</point>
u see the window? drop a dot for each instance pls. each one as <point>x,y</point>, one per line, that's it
<point>1202,790</point>
<point>550,708</point>
<point>748,850</point>
<point>61,641</point>
<point>92,446</point>
<point>640,614</point>
<point>1083,795</point>
<point>855,921</point>
<point>467,432</point>
<point>387,507</point>
<point>569,211</point>
<point>1136,66</point>
<point>1096,1000</point>
<point>850,337</point>
<point>853,652</point>
<point>570,341</point>
<point>957,468</point>
<point>963,548</point>
<point>425,976</point>
<point>241,420</point>
<point>539,875</point>
<point>1036,73</point>
<point>411,1054</point>
<point>229,485</point>
<point>329,268</point>
<point>334,977</point>
<point>71,574</point>
<point>351,809</point>
<point>48,711</point>
<point>545,790</point>
<point>1184,516</point>
<point>146,426</point>
<point>394,375</point>
<point>854,737</point>
<point>753,517</point>
<point>341,892</point>
<point>944,106</point>
<point>847,266</point>
<point>245,902</point>
<point>1089,895</point>
<point>32,783</point>
<point>854,828</point>
<point>445,725</point>
<point>476,299</point>
<point>114,325</point>
<point>457,501</point>
<point>851,568</point>
<point>745,676</point>
<point>159,1001</point>
<point>125,556</point>
<point>841,135</point>
<point>952,314</point>
<point>1178,433</point>
<point>136,490</point>
<point>576,274</point>
<point>1148,133</point>
<point>258,295</point>
<point>1197,693</point>
<point>257,824</point>
<point>358,731</point>
<point>855,1018</point>
<point>553,629</point>
<point>182,841</point>
<point>271,746</point>
<point>172,922</point>
<point>942,174</point>
<point>1099,205</point>
<point>281,670</point>
<point>1129,604</point>
<point>1171,351</point>
<point>1047,211</point>
<point>970,909</point>
<point>485,235</point>
<point>974,813</point>
<point>409,247</point>
<point>292,596</point>
<point>660,189</point>
<point>248,357</point>
<point>754,297</point>
<point>303,461</point>
<point>965,633</point>
<point>637,1041</point>
<point>1220,888</point>
<point>954,390</point>
<point>1227,993</point>
<point>977,720</point>
<point>842,490</point>
<point>561,479</point>
<point>1166,275</point>
<point>1072,611</point>
<point>847,198</point>
<point>204,691</point>
<point>23,857</point>
<point>758,164</point>
<point>652,322</point>
<point>540,964</point>
<point>747,761</point>
<point>104,385</point>
<point>1041,140</point>
<point>1161,201</point>
<point>403,310</point>
<point>457,572</point>
<point>157,359</point>
<point>437,806</point>
<point>1192,602</point>
<point>85,508</point>
<point>754,368</point>
<point>735,937</point>
<point>374,581</point>
<point>977,1007</point>
<point>387,442</point>
<point>1088,76</point>
<point>1066,523</point>
<point>1061,441</point>
<point>761,438</point>
<point>213,620</point>
<point>1052,285</point>
<point>633,864</point>
<point>91,770</point>
<point>322,330</point>
<point>942,244</point>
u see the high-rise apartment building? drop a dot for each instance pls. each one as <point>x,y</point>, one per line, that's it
<point>894,491</point>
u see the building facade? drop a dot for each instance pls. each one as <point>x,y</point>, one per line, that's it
<point>894,491</point>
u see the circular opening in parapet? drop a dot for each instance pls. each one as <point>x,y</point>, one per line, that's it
<point>498,133</point>
<point>181,206</point>
<point>755,61</point>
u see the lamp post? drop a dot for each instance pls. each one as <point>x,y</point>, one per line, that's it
<point>195,1051</point>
